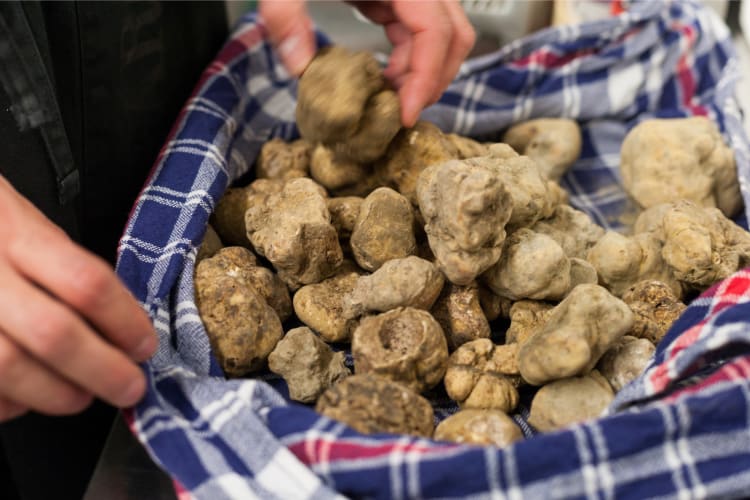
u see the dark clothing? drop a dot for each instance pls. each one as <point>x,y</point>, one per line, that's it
<point>117,75</point>
<point>120,71</point>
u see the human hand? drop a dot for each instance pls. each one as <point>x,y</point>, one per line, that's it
<point>430,41</point>
<point>69,329</point>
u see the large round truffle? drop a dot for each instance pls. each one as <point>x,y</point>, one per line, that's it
<point>404,344</point>
<point>372,404</point>
<point>241,326</point>
<point>569,401</point>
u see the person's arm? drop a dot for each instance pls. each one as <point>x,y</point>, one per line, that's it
<point>430,41</point>
<point>69,329</point>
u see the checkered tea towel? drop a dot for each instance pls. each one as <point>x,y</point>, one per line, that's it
<point>682,430</point>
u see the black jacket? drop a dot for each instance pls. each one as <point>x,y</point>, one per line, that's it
<point>88,93</point>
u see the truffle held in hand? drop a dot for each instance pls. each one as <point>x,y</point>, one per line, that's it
<point>342,103</point>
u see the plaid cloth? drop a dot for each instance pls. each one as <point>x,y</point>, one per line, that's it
<point>681,430</point>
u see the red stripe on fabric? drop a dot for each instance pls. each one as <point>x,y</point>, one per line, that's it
<point>685,71</point>
<point>738,285</point>
<point>724,294</point>
<point>231,50</point>
<point>181,492</point>
<point>728,293</point>
<point>128,415</point>
<point>616,8</point>
<point>723,304</point>
<point>659,377</point>
<point>549,59</point>
<point>319,450</point>
<point>732,371</point>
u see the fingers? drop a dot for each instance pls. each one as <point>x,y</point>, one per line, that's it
<point>68,326</point>
<point>27,384</point>
<point>398,62</point>
<point>43,253</point>
<point>88,285</point>
<point>430,43</point>
<point>430,38</point>
<point>290,31</point>
<point>62,342</point>
<point>398,34</point>
<point>377,11</point>
<point>10,410</point>
<point>460,46</point>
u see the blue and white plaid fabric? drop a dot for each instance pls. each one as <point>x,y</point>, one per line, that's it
<point>680,431</point>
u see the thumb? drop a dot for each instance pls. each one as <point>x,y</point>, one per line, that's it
<point>290,31</point>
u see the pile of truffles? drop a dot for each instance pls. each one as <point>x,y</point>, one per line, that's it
<point>409,246</point>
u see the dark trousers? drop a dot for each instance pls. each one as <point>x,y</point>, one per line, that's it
<point>52,457</point>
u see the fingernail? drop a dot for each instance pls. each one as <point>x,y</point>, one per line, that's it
<point>408,115</point>
<point>135,391</point>
<point>146,348</point>
<point>294,55</point>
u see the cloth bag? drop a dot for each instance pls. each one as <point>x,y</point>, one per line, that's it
<point>681,430</point>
